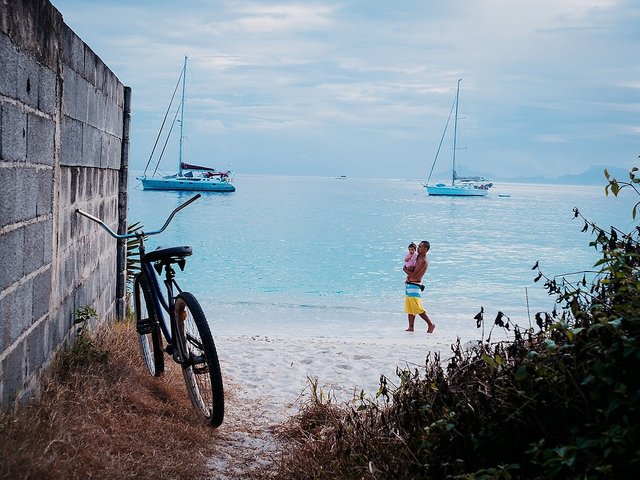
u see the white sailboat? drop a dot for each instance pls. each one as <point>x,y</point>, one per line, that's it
<point>460,186</point>
<point>189,177</point>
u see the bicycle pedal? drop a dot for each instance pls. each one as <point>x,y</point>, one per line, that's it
<point>145,326</point>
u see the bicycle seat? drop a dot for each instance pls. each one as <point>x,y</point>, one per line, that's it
<point>167,254</point>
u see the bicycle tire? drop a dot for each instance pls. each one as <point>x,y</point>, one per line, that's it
<point>201,372</point>
<point>150,343</point>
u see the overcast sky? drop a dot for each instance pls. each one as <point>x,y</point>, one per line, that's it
<point>364,87</point>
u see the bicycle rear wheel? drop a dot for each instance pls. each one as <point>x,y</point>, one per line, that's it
<point>202,369</point>
<point>149,335</point>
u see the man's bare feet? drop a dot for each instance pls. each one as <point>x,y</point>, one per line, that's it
<point>431,328</point>
<point>409,329</point>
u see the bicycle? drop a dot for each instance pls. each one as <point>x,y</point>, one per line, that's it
<point>186,331</point>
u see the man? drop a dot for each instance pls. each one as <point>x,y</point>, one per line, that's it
<point>412,296</point>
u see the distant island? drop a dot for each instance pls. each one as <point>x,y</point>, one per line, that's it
<point>592,176</point>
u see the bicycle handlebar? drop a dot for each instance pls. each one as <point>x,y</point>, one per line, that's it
<point>133,235</point>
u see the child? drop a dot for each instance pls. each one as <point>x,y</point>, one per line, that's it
<point>410,259</point>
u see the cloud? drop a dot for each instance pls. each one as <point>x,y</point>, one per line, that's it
<point>543,81</point>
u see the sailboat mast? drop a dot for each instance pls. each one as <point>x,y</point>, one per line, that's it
<point>184,76</point>
<point>455,133</point>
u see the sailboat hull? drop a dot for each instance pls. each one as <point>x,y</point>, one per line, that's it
<point>455,191</point>
<point>186,183</point>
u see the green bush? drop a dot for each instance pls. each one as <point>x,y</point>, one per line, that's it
<point>83,351</point>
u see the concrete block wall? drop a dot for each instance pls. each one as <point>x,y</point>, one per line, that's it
<point>63,145</point>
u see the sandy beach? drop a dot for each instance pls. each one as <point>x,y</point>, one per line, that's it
<point>267,378</point>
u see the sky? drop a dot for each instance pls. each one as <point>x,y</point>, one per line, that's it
<point>363,88</point>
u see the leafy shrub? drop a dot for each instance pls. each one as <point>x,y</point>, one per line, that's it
<point>83,351</point>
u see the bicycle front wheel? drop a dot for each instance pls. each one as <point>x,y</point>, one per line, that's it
<point>147,326</point>
<point>201,369</point>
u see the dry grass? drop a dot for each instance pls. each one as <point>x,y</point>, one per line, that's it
<point>108,420</point>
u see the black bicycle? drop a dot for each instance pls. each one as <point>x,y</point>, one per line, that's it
<point>187,336</point>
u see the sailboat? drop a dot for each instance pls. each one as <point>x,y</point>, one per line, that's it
<point>460,186</point>
<point>189,176</point>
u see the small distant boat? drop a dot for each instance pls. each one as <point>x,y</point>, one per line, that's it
<point>465,186</point>
<point>189,177</point>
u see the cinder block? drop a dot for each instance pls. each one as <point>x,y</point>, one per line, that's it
<point>9,70</point>
<point>120,95</point>
<point>91,146</point>
<point>12,257</point>
<point>63,240</point>
<point>40,138</point>
<point>90,60</point>
<point>8,180</point>
<point>26,194</point>
<point>75,90</point>
<point>82,92</point>
<point>47,92</point>
<point>13,134</point>
<point>109,112</point>
<point>71,142</point>
<point>35,355</point>
<point>33,247</point>
<point>52,336</point>
<point>100,68</point>
<point>69,88</point>
<point>44,203</point>
<point>111,152</point>
<point>109,85</point>
<point>11,379</point>
<point>94,99</point>
<point>59,287</point>
<point>48,241</point>
<point>72,49</point>
<point>101,120</point>
<point>41,294</point>
<point>28,80</point>
<point>70,187</point>
<point>21,308</point>
<point>4,335</point>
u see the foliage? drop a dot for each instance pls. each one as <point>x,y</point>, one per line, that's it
<point>614,186</point>
<point>559,402</point>
<point>83,351</point>
<point>133,257</point>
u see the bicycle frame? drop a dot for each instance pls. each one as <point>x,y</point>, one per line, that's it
<point>147,268</point>
<point>161,302</point>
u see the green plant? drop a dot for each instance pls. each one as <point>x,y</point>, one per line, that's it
<point>83,351</point>
<point>133,253</point>
<point>614,186</point>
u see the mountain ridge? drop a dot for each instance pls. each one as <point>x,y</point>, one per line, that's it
<point>594,175</point>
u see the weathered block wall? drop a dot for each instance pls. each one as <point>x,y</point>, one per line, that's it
<point>63,145</point>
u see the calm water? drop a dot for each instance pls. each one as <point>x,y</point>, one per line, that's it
<point>323,256</point>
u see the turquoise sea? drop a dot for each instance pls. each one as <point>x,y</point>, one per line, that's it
<point>322,257</point>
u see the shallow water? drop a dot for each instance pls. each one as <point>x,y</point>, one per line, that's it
<point>322,257</point>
